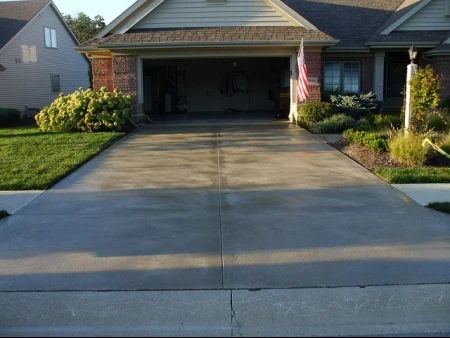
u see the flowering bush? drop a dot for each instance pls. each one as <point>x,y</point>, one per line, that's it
<point>87,111</point>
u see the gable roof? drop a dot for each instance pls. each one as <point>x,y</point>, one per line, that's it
<point>14,15</point>
<point>142,8</point>
<point>407,13</point>
<point>353,22</point>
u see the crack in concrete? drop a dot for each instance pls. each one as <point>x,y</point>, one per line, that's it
<point>235,324</point>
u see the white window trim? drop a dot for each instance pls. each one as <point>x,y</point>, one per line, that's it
<point>51,83</point>
<point>341,85</point>
<point>51,38</point>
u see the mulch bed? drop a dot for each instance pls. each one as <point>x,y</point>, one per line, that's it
<point>365,156</point>
<point>371,159</point>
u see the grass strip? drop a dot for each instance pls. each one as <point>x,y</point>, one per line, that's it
<point>35,160</point>
<point>414,175</point>
<point>440,206</point>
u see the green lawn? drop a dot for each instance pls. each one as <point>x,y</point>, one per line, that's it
<point>414,175</point>
<point>33,160</point>
<point>440,206</point>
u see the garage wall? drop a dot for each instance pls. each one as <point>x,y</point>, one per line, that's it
<point>204,79</point>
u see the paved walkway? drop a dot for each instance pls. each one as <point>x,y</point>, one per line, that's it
<point>13,201</point>
<point>219,208</point>
<point>426,193</point>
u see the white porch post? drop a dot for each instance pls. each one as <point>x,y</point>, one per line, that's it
<point>412,70</point>
<point>293,83</point>
<point>140,86</point>
<point>379,75</point>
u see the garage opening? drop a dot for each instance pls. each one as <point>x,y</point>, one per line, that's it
<point>221,87</point>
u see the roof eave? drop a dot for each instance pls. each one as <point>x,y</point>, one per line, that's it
<point>420,44</point>
<point>438,53</point>
<point>348,49</point>
<point>194,44</point>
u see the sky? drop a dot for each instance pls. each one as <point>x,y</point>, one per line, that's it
<point>109,9</point>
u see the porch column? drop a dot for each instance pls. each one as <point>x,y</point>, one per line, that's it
<point>140,86</point>
<point>293,83</point>
<point>379,75</point>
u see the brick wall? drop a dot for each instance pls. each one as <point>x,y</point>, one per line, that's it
<point>443,67</point>
<point>314,64</point>
<point>102,74</point>
<point>367,74</point>
<point>125,74</point>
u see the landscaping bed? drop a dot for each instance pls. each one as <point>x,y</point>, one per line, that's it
<point>365,156</point>
<point>35,160</point>
<point>436,170</point>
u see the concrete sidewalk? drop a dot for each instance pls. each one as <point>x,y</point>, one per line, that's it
<point>420,310</point>
<point>13,201</point>
<point>426,193</point>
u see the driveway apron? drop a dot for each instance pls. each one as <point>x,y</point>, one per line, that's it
<point>222,207</point>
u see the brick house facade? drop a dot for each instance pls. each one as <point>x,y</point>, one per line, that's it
<point>377,51</point>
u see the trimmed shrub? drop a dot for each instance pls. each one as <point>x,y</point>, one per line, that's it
<point>382,121</point>
<point>362,125</point>
<point>425,96</point>
<point>358,105</point>
<point>311,113</point>
<point>333,124</point>
<point>438,122</point>
<point>87,111</point>
<point>9,116</point>
<point>408,149</point>
<point>374,141</point>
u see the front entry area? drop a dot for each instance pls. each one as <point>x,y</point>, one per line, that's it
<point>227,87</point>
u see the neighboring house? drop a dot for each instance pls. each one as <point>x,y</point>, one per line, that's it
<point>37,56</point>
<point>214,55</point>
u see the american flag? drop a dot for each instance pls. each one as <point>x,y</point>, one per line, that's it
<point>302,83</point>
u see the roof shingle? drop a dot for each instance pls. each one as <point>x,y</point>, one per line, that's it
<point>352,22</point>
<point>211,35</point>
<point>14,15</point>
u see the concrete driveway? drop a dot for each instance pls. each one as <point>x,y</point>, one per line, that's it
<point>222,207</point>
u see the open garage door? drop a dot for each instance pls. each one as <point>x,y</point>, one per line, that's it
<point>217,87</point>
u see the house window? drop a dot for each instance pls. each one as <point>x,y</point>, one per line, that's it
<point>50,37</point>
<point>55,83</point>
<point>342,75</point>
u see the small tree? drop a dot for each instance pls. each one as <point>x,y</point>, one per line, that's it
<point>425,96</point>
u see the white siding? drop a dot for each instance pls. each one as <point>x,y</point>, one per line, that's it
<point>198,13</point>
<point>27,83</point>
<point>430,17</point>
